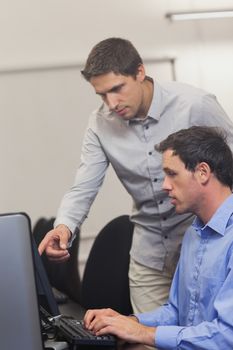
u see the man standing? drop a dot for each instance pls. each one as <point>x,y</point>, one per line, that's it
<point>198,166</point>
<point>137,112</point>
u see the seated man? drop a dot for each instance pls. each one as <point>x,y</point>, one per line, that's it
<point>198,168</point>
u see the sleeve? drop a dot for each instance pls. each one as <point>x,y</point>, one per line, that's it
<point>77,201</point>
<point>166,315</point>
<point>210,113</point>
<point>214,335</point>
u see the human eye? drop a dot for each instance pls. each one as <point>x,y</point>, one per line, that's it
<point>117,88</point>
<point>171,173</point>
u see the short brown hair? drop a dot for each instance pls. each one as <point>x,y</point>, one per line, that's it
<point>202,144</point>
<point>112,55</point>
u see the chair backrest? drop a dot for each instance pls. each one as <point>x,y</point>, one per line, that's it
<point>105,281</point>
<point>64,276</point>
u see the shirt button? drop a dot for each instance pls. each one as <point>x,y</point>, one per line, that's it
<point>147,127</point>
<point>161,202</point>
<point>155,180</point>
<point>150,153</point>
<point>166,237</point>
<point>164,219</point>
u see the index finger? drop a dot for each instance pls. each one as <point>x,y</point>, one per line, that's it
<point>43,244</point>
<point>88,317</point>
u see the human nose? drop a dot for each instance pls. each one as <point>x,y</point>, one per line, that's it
<point>166,184</point>
<point>112,101</point>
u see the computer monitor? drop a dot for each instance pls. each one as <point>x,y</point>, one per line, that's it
<point>20,326</point>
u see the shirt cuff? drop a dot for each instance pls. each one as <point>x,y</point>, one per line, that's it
<point>73,229</point>
<point>63,221</point>
<point>166,337</point>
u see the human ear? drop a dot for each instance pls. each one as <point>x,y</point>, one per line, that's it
<point>141,74</point>
<point>203,172</point>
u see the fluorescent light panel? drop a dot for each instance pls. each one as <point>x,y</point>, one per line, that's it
<point>192,15</point>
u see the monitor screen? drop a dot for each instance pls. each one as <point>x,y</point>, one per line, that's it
<point>19,313</point>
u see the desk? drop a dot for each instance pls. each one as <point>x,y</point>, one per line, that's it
<point>134,347</point>
<point>60,346</point>
<point>119,347</point>
<point>71,308</point>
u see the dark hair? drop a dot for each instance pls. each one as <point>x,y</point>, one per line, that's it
<point>112,55</point>
<point>202,144</point>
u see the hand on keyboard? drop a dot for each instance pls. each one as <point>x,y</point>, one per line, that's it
<point>75,333</point>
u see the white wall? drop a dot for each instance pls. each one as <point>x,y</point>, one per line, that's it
<point>43,118</point>
<point>44,103</point>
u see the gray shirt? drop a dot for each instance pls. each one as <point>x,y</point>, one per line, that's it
<point>129,147</point>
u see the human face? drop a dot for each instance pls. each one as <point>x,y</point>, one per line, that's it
<point>123,95</point>
<point>181,184</point>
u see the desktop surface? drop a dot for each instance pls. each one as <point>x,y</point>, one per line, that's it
<point>73,309</point>
<point>53,345</point>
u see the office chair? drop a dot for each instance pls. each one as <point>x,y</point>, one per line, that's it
<point>62,276</point>
<point>105,281</point>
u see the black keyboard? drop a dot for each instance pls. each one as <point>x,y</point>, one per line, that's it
<point>74,333</point>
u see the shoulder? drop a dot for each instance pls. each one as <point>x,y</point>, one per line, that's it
<point>201,105</point>
<point>100,113</point>
<point>184,90</point>
<point>102,120</point>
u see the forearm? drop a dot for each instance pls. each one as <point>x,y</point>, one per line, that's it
<point>76,203</point>
<point>206,335</point>
<point>146,335</point>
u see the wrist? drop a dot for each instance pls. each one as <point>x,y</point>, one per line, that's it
<point>148,336</point>
<point>65,229</point>
<point>134,318</point>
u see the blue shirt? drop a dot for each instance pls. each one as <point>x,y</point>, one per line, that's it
<point>199,312</point>
<point>129,147</point>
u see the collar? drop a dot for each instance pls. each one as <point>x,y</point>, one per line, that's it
<point>219,221</point>
<point>154,111</point>
<point>156,103</point>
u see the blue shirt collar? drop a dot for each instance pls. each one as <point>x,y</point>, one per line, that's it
<point>220,220</point>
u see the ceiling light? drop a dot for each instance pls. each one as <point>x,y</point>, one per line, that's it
<point>192,15</point>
